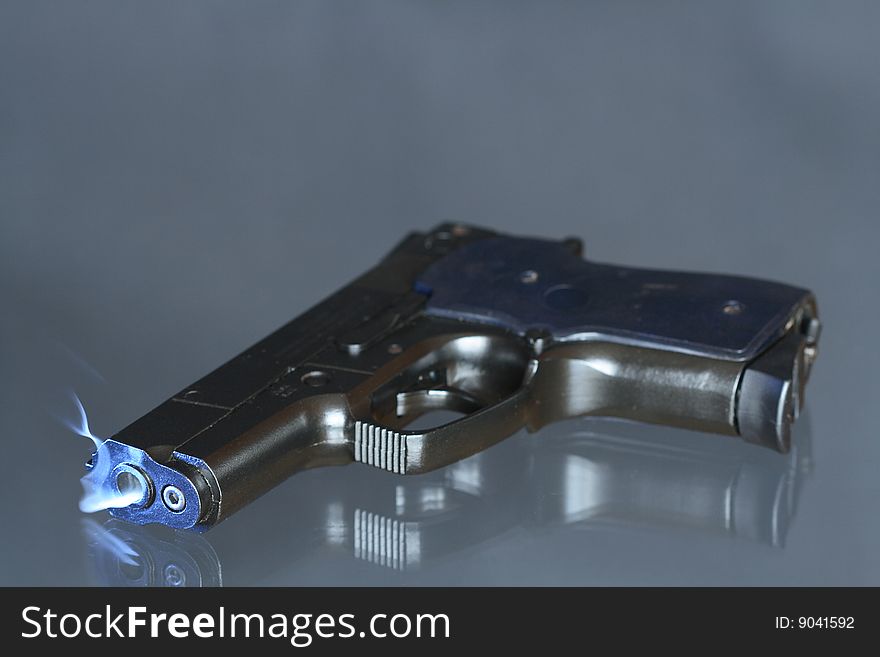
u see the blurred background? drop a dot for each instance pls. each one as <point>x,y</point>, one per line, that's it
<point>179,179</point>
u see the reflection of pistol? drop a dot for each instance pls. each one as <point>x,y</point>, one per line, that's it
<point>615,478</point>
<point>509,332</point>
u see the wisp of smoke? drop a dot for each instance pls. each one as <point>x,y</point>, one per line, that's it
<point>80,426</point>
<point>99,492</point>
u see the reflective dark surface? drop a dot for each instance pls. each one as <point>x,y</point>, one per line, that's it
<point>178,181</point>
<point>619,484</point>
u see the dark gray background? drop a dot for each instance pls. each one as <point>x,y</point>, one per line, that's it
<point>179,178</point>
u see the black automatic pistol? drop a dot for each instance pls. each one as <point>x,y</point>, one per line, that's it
<point>507,332</point>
